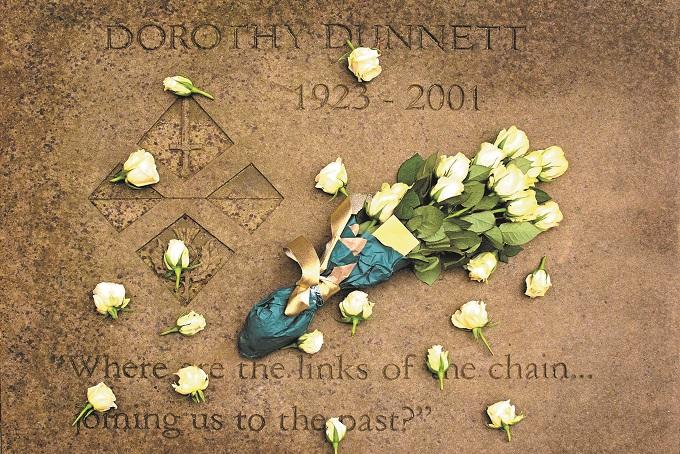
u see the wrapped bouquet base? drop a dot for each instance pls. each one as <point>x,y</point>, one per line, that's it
<point>352,260</point>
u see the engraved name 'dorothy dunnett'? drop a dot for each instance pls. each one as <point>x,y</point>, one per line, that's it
<point>207,36</point>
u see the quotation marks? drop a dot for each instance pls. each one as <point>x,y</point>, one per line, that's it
<point>415,412</point>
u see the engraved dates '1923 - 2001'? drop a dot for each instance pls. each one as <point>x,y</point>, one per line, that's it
<point>428,97</point>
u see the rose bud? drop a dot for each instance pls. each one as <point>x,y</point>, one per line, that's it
<point>548,215</point>
<point>333,178</point>
<point>438,362</point>
<point>523,207</point>
<point>538,282</point>
<point>192,381</point>
<point>109,298</point>
<point>453,166</point>
<point>502,416</point>
<point>554,164</point>
<point>508,181</point>
<point>335,432</point>
<point>181,86</point>
<point>513,142</point>
<point>382,205</point>
<point>187,325</point>
<point>310,342</point>
<point>489,155</point>
<point>481,266</point>
<point>364,63</point>
<point>138,170</point>
<point>473,316</point>
<point>99,398</point>
<point>176,259</point>
<point>446,188</point>
<point>356,308</point>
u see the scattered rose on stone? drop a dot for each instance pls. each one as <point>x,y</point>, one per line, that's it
<point>99,398</point>
<point>109,299</point>
<point>335,432</point>
<point>538,282</point>
<point>364,62</point>
<point>310,342</point>
<point>182,86</point>
<point>438,363</point>
<point>333,178</point>
<point>176,259</point>
<point>473,316</point>
<point>187,325</point>
<point>192,381</point>
<point>138,170</point>
<point>356,308</point>
<point>502,415</point>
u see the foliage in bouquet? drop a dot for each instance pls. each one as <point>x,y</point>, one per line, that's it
<point>471,213</point>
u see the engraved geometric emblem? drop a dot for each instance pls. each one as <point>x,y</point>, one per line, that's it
<point>248,198</point>
<point>120,204</point>
<point>207,255</point>
<point>185,138</point>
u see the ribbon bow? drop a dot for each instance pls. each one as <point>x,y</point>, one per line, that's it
<point>302,251</point>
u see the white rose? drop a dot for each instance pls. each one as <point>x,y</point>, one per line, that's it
<point>513,142</point>
<point>489,155</point>
<point>508,181</point>
<point>310,342</point>
<point>192,381</point>
<point>332,178</point>
<point>453,166</point>
<point>548,215</point>
<point>191,323</point>
<point>445,188</point>
<point>138,170</point>
<point>523,207</point>
<point>536,159</point>
<point>382,205</point>
<point>176,255</point>
<point>554,164</point>
<point>438,362</point>
<point>481,266</point>
<point>335,432</point>
<point>355,308</point>
<point>502,416</point>
<point>471,315</point>
<point>364,63</point>
<point>109,298</point>
<point>101,397</point>
<point>179,85</point>
<point>538,282</point>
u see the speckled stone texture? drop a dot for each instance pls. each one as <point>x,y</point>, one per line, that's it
<point>599,79</point>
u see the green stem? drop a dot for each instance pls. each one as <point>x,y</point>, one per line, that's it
<point>343,191</point>
<point>82,413</point>
<point>541,265</point>
<point>178,274</point>
<point>174,329</point>
<point>355,322</point>
<point>481,335</point>
<point>349,43</point>
<point>201,92</point>
<point>507,431</point>
<point>120,176</point>
<point>457,213</point>
<point>441,380</point>
<point>335,447</point>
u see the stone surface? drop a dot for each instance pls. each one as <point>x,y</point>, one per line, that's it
<point>237,173</point>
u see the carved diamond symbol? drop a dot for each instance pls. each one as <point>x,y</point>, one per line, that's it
<point>120,204</point>
<point>206,253</point>
<point>185,138</point>
<point>248,198</point>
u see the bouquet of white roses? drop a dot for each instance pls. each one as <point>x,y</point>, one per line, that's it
<point>471,213</point>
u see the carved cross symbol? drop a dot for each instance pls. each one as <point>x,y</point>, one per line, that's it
<point>185,147</point>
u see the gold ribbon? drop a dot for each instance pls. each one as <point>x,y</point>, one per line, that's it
<point>302,251</point>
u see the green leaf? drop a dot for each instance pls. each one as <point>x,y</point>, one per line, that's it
<point>428,272</point>
<point>481,221</point>
<point>439,235</point>
<point>495,237</point>
<point>449,226</point>
<point>404,210</point>
<point>464,240</point>
<point>488,202</point>
<point>414,223</point>
<point>432,220</point>
<point>517,233</point>
<point>428,166</point>
<point>409,169</point>
<point>512,251</point>
<point>474,192</point>
<point>478,173</point>
<point>454,259</point>
<point>523,163</point>
<point>541,196</point>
